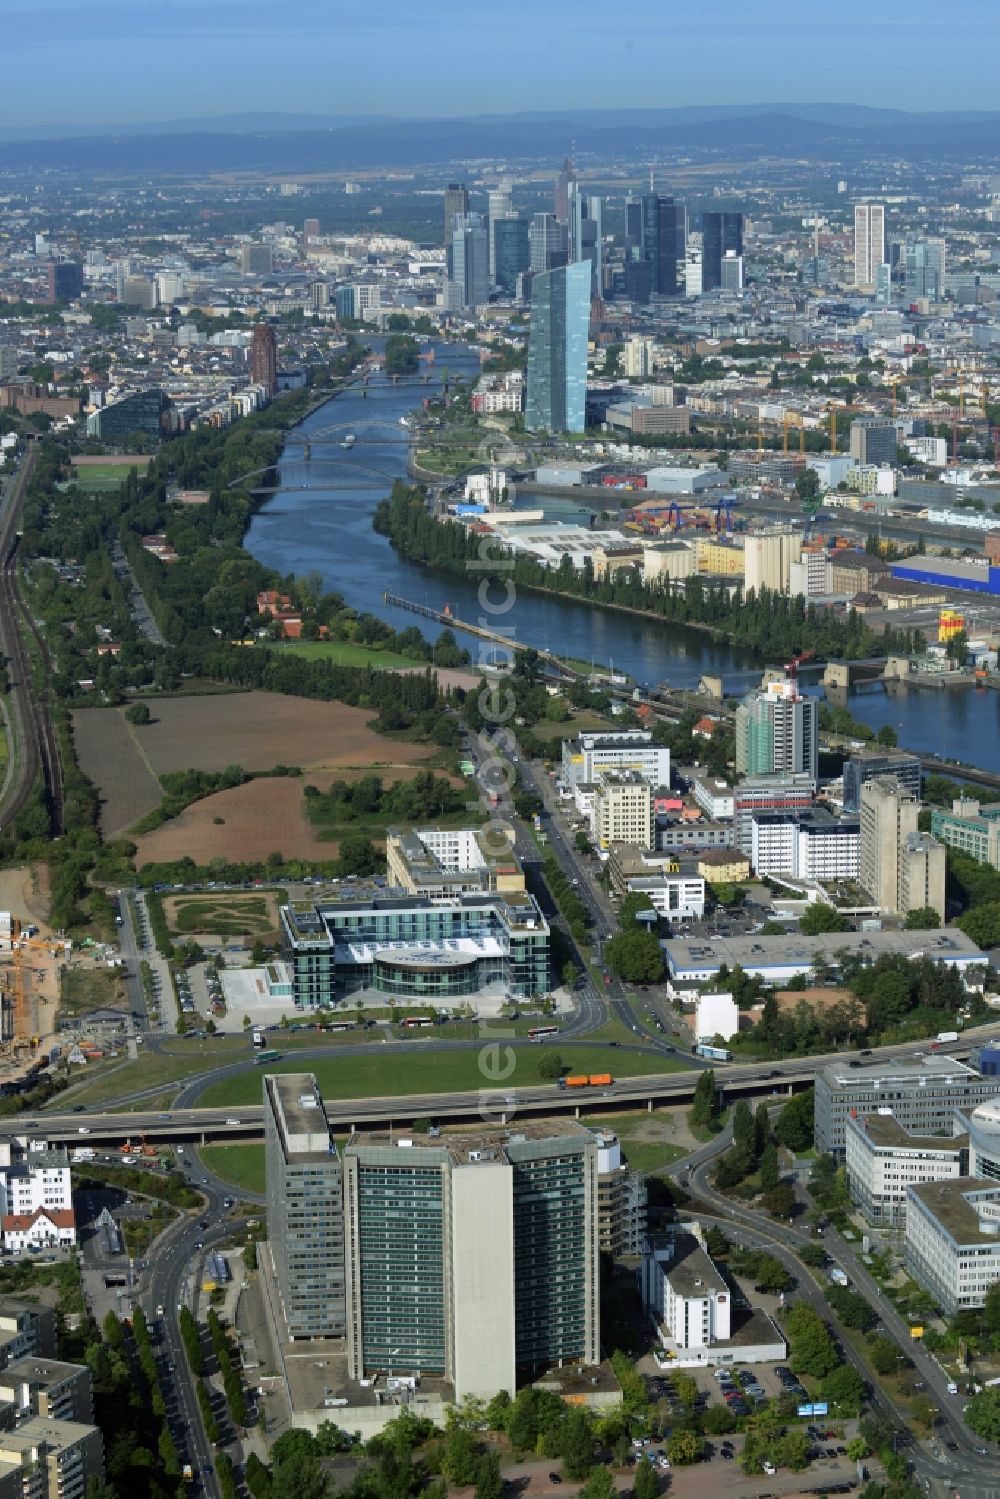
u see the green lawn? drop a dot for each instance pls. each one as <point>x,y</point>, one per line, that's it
<point>404,1074</point>
<point>637,1133</point>
<point>102,476</point>
<point>243,1165</point>
<point>346,653</point>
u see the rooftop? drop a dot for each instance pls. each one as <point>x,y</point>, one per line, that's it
<point>952,1203</point>
<point>878,1073</point>
<point>473,1146</point>
<point>796,950</point>
<point>886,1132</point>
<point>298,1111</point>
<point>691,1273</point>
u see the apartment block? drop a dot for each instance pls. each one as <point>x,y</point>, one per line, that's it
<point>952,1244</point>
<point>621,1200</point>
<point>623,809</point>
<point>883,1159</point>
<point>47,1459</point>
<point>305,1207</point>
<point>922,1096</point>
<point>49,1388</point>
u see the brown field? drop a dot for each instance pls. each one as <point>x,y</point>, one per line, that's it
<point>254,729</point>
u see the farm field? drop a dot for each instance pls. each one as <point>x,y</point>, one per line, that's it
<point>258,818</point>
<point>223,915</point>
<point>257,730</point>
<point>403,1074</point>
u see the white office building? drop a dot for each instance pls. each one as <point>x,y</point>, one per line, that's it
<point>675,895</point>
<point>714,796</point>
<point>717,1015</point>
<point>585,757</point>
<point>953,1240</point>
<point>684,1293</point>
<point>869,243</point>
<point>884,1159</point>
<point>810,845</point>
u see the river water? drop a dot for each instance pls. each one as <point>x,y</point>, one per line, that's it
<point>320,521</point>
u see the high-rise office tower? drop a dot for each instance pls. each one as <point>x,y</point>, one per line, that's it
<point>557,350</point>
<point>874,439</point>
<point>264,358</point>
<point>869,243</point>
<point>123,270</point>
<point>925,265</point>
<point>721,235</point>
<point>500,206</point>
<point>586,222</point>
<point>65,280</point>
<point>777,732</point>
<point>256,259</point>
<point>633,221</point>
<point>547,241</point>
<point>310,229</point>
<point>662,240</point>
<point>456,201</point>
<point>305,1207</point>
<point>474,1258</point>
<point>567,176</point>
<point>470,268</point>
<point>888,816</point>
<point>510,252</point>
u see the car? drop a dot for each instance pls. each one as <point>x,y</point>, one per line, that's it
<point>203,1224</point>
<point>199,1243</point>
<point>831,1452</point>
<point>204,1181</point>
<point>841,1451</point>
<point>728,1456</point>
<point>982,1451</point>
<point>555,1478</point>
<point>78,1108</point>
<point>739,1407</point>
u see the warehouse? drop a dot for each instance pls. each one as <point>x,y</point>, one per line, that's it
<point>947,572</point>
<point>778,959</point>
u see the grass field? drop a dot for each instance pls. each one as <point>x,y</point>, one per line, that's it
<point>243,1165</point>
<point>223,915</point>
<point>643,1138</point>
<point>403,1075</point>
<point>103,476</point>
<point>551,732</point>
<point>84,989</point>
<point>346,653</point>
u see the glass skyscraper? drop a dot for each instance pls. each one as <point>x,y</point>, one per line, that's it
<point>557,349</point>
<point>721,234</point>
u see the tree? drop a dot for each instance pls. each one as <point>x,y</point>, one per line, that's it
<point>705,1104</point>
<point>982,1415</point>
<point>923,919</point>
<point>489,1481</point>
<point>600,1485</point>
<point>845,1388</point>
<point>461,1458</point>
<point>780,1201</point>
<point>857,1449</point>
<point>358,855</point>
<point>761,1130</point>
<point>794,1126</point>
<point>718,1420</point>
<point>819,917</point>
<point>770,1173</point>
<point>550,1067</point>
<point>576,1446</point>
<point>635,956</point>
<point>138,713</point>
<point>812,1348</point>
<point>685,1447</point>
<point>744,1134</point>
<point>646,1485</point>
<point>570,974</point>
<point>807,484</point>
<point>982,923</point>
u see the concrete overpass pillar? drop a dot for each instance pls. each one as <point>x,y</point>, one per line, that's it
<point>649,1105</point>
<point>837,674</point>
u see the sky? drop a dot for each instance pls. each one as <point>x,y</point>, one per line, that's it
<point>124,61</point>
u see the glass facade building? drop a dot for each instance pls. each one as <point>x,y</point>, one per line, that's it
<point>557,350</point>
<point>554,1286</point>
<point>511,251</point>
<point>721,234</point>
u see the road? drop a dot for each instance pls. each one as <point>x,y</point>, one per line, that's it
<point>138,608</point>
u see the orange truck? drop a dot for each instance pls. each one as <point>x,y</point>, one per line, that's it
<point>595,1080</point>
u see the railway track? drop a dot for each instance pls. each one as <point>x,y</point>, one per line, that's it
<point>37,745</point>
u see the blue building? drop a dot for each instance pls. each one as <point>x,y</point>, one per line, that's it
<point>949,572</point>
<point>557,349</point>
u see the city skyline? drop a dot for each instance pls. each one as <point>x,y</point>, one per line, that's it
<point>773,55</point>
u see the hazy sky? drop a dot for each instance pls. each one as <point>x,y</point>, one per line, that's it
<point>105,61</point>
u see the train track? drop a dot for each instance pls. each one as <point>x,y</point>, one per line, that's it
<point>37,746</point>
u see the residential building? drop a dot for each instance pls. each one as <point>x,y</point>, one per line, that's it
<point>874,441</point>
<point>922,1095</point>
<point>587,756</point>
<point>25,1331</point>
<point>256,260</point>
<point>305,1207</point>
<point>623,809</point>
<point>952,1246</point>
<point>722,866</point>
<point>809,844</point>
<point>721,235</point>
<point>621,1200</point>
<point>922,873</point>
<point>869,243</point>
<point>901,868</point>
<point>970,827</point>
<point>557,350</point>
<point>883,1159</point>
<point>469,286</point>
<point>768,557</point>
<point>49,1388</point>
<point>864,765</point>
<point>638,358</point>
<point>473,1258</point>
<point>629,863</point>
<point>777,793</point>
<point>777,732</point>
<point>676,894</point>
<point>47,1459</point>
<point>264,359</point>
<point>436,948</point>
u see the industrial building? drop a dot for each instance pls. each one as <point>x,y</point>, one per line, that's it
<point>949,572</point>
<point>922,1095</point>
<point>883,1159</point>
<point>952,1245</point>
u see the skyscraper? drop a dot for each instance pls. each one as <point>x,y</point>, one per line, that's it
<point>662,240</point>
<point>65,280</point>
<point>500,203</point>
<point>869,243</point>
<point>470,269</point>
<point>557,350</point>
<point>567,175</point>
<point>510,251</point>
<point>586,222</point>
<point>547,240</point>
<point>633,220</point>
<point>777,732</point>
<point>264,359</point>
<point>456,201</point>
<point>305,1207</point>
<point>721,234</point>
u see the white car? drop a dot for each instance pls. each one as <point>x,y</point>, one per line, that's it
<point>770,1469</point>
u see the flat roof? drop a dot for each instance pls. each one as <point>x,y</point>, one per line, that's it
<point>686,955</point>
<point>301,1118</point>
<point>951,1203</point>
<point>886,1132</point>
<point>843,1074</point>
<point>691,1272</point>
<point>474,1145</point>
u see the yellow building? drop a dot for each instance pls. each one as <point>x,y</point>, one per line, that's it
<point>721,557</point>
<point>723,866</point>
<point>950,624</point>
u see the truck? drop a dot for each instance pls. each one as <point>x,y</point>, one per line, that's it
<point>713,1053</point>
<point>187,1473</point>
<point>838,1277</point>
<point>83,1153</point>
<point>943,1037</point>
<point>592,1080</point>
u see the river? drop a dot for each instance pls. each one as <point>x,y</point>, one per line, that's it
<point>320,521</point>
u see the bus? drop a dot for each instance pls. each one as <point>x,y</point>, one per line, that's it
<point>266,1056</point>
<point>339,1025</point>
<point>539,1032</point>
<point>713,1053</point>
<point>411,1022</point>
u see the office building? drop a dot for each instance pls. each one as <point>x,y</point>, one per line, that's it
<point>984,1123</point>
<point>883,1159</point>
<point>638,358</point>
<point>510,251</point>
<point>721,235</point>
<point>901,869</point>
<point>305,1207</point>
<point>638,281</point>
<point>139,291</point>
<point>623,809</point>
<point>925,269</point>
<point>557,350</point>
<point>565,181</point>
<point>685,1294</point>
<point>590,754</point>
<point>811,844</point>
<point>439,948</point>
<point>345,302</point>
<point>469,286</point>
<point>922,1095</point>
<point>874,440</point>
<point>732,273</point>
<point>869,243</point>
<point>456,205</point>
<point>716,1015</point>
<point>777,732</point>
<point>264,358</point>
<point>65,280</point>
<point>123,271</point>
<point>952,1245</point>
<point>970,827</point>
<point>621,1200</point>
<point>662,241</point>
<point>8,362</point>
<point>546,243</point>
<point>143,412</point>
<point>473,1258</point>
<point>586,223</point>
<point>319,295</point>
<point>256,260</point>
<point>866,764</point>
<point>500,206</point>
<point>768,557</point>
<point>768,793</point>
<point>443,862</point>
<point>633,221</point>
<point>310,229</point>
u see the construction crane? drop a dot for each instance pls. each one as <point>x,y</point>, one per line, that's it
<point>792,667</point>
<point>22,1036</point>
